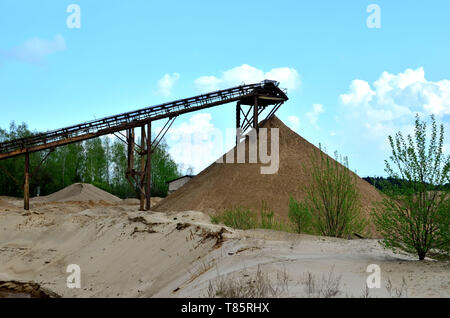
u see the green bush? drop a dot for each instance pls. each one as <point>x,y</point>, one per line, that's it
<point>245,219</point>
<point>237,218</point>
<point>417,219</point>
<point>333,197</point>
<point>299,215</point>
<point>268,220</point>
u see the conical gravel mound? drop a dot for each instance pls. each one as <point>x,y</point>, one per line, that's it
<point>221,185</point>
<point>79,192</point>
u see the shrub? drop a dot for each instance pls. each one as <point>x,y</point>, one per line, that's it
<point>237,218</point>
<point>257,285</point>
<point>266,217</point>
<point>269,221</point>
<point>245,219</point>
<point>417,219</point>
<point>327,287</point>
<point>333,197</point>
<point>299,215</point>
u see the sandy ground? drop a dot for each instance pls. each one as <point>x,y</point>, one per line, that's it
<point>126,253</point>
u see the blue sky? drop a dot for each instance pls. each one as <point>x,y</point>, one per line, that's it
<point>349,85</point>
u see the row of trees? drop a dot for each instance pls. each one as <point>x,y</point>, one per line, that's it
<point>390,184</point>
<point>100,161</point>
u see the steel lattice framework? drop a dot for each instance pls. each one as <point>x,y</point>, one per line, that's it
<point>268,94</point>
<point>258,96</point>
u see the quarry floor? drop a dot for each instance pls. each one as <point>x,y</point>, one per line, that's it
<point>126,253</point>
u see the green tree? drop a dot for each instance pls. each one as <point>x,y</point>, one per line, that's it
<point>163,170</point>
<point>13,168</point>
<point>299,215</point>
<point>417,219</point>
<point>333,197</point>
<point>62,167</point>
<point>98,161</point>
<point>95,168</point>
<point>71,160</point>
<point>118,167</point>
<point>107,146</point>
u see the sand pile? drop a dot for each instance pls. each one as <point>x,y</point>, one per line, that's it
<point>79,192</point>
<point>221,185</point>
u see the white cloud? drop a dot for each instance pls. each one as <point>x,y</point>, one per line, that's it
<point>360,92</point>
<point>314,114</point>
<point>166,83</point>
<point>207,83</point>
<point>393,96</point>
<point>196,143</point>
<point>288,78</point>
<point>372,112</point>
<point>294,122</point>
<point>35,50</point>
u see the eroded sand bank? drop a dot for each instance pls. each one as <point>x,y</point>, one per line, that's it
<point>126,253</point>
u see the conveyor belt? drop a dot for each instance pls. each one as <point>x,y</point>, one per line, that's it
<point>267,91</point>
